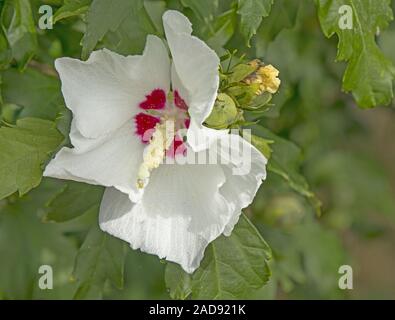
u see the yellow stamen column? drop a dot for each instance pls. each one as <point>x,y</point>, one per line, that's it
<point>155,152</point>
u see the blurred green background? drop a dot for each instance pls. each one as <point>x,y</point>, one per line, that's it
<point>347,155</point>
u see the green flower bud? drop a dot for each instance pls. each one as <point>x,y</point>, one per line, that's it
<point>224,113</point>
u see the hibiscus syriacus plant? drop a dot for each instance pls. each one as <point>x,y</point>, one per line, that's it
<point>131,117</point>
<point>149,149</point>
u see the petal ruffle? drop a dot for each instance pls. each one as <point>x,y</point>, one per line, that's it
<point>105,91</point>
<point>244,172</point>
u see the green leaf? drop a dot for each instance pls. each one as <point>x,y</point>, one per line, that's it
<point>203,9</point>
<point>240,72</point>
<point>21,31</point>
<point>71,8</point>
<point>323,253</point>
<point>287,258</point>
<point>74,200</point>
<point>306,257</point>
<point>369,74</point>
<point>178,281</point>
<point>101,258</point>
<point>221,31</point>
<point>260,103</point>
<point>155,10</point>
<point>263,145</point>
<point>40,97</point>
<point>5,50</point>
<point>26,244</point>
<point>285,161</point>
<point>283,15</point>
<point>243,94</point>
<point>231,268</point>
<point>10,112</point>
<point>1,93</point>
<point>252,12</point>
<point>24,149</point>
<point>139,19</point>
<point>104,16</point>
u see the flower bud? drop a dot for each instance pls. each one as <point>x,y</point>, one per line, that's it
<point>266,77</point>
<point>224,112</point>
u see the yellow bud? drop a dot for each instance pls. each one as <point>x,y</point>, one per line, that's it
<point>269,76</point>
<point>265,77</point>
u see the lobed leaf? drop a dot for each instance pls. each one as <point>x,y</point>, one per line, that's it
<point>252,12</point>
<point>71,8</point>
<point>74,200</point>
<point>101,258</point>
<point>369,74</point>
<point>231,268</point>
<point>24,149</point>
<point>104,16</point>
<point>40,97</point>
<point>26,244</point>
<point>20,30</point>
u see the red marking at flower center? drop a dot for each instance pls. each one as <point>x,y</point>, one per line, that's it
<point>179,102</point>
<point>155,100</point>
<point>177,147</point>
<point>145,125</point>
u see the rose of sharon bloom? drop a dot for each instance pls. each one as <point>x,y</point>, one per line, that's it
<point>171,210</point>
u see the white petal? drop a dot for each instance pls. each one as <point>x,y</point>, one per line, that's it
<point>110,160</point>
<point>243,165</point>
<point>184,207</point>
<point>195,68</point>
<point>104,92</point>
<point>181,211</point>
<point>240,189</point>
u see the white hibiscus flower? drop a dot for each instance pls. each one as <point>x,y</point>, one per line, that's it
<point>171,210</point>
